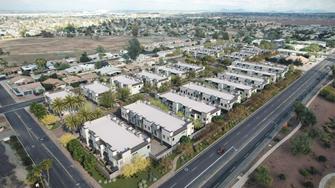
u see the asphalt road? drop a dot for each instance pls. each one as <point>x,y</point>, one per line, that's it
<point>5,98</point>
<point>210,169</point>
<point>37,143</point>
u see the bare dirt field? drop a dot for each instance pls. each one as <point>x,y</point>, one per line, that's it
<point>283,162</point>
<point>29,49</point>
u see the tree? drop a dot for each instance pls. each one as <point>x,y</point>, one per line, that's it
<point>304,115</point>
<point>46,165</point>
<point>3,62</point>
<point>301,144</point>
<point>100,50</point>
<point>58,106</point>
<point>38,110</point>
<point>35,175</point>
<point>134,30</point>
<point>176,81</point>
<point>41,63</point>
<point>138,164</point>
<point>266,45</point>
<point>262,176</point>
<point>197,124</point>
<point>72,122</point>
<point>225,36</point>
<point>84,58</point>
<point>123,94</point>
<point>134,48</point>
<point>107,99</point>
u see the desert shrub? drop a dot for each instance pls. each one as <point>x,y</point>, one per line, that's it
<point>322,158</point>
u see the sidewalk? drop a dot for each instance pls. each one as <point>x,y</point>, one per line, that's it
<point>167,176</point>
<point>325,179</point>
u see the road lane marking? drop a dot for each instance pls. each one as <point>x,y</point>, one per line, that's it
<point>209,167</point>
<point>211,155</point>
<point>194,168</point>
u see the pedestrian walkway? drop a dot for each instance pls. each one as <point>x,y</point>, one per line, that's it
<point>325,179</point>
<point>168,175</point>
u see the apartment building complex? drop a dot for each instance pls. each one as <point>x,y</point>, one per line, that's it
<point>133,84</point>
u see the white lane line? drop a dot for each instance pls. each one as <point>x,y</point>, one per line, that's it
<point>194,168</point>
<point>208,167</point>
<point>211,155</point>
<point>173,185</point>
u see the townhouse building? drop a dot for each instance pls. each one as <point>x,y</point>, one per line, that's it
<point>270,77</point>
<point>94,90</point>
<point>152,78</point>
<point>116,142</point>
<point>170,71</point>
<point>133,84</point>
<point>192,109</point>
<point>235,88</point>
<point>210,96</point>
<point>163,126</point>
<point>280,71</point>
<point>260,83</point>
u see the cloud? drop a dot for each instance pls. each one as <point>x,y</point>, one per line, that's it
<point>250,5</point>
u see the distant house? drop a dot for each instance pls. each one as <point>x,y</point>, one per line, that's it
<point>20,80</point>
<point>108,71</point>
<point>11,71</point>
<point>133,84</point>
<point>28,89</point>
<point>94,91</point>
<point>29,68</point>
<point>55,83</point>
<point>73,80</point>
<point>51,97</point>
<point>170,71</point>
<point>153,79</point>
<point>88,77</point>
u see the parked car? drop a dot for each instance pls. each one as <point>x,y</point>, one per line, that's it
<point>221,151</point>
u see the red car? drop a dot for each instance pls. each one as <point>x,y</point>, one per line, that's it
<point>221,151</point>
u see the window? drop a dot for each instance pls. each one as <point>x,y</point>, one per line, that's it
<point>148,146</point>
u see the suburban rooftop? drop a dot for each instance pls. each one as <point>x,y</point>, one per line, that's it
<point>169,122</point>
<point>151,75</point>
<point>126,80</point>
<point>59,94</point>
<point>243,76</point>
<point>96,87</point>
<point>252,70</point>
<point>184,100</point>
<point>226,82</point>
<point>113,133</point>
<point>209,91</point>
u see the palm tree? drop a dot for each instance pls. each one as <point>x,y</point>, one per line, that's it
<point>72,122</point>
<point>69,103</point>
<point>79,101</point>
<point>58,106</point>
<point>84,115</point>
<point>46,165</point>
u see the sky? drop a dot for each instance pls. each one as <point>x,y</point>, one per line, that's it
<point>210,5</point>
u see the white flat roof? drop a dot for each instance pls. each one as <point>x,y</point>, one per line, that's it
<point>185,101</point>
<point>96,87</point>
<point>261,65</point>
<point>59,94</point>
<point>192,66</point>
<point>169,69</point>
<point>209,91</point>
<point>243,76</point>
<point>151,75</point>
<point>169,122</point>
<point>108,70</point>
<point>252,70</point>
<point>126,80</point>
<point>226,82</point>
<point>117,136</point>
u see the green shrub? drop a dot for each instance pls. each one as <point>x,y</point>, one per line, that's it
<point>328,93</point>
<point>38,110</point>
<point>304,172</point>
<point>322,158</point>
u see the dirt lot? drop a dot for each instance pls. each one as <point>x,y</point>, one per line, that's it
<point>283,162</point>
<point>56,48</point>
